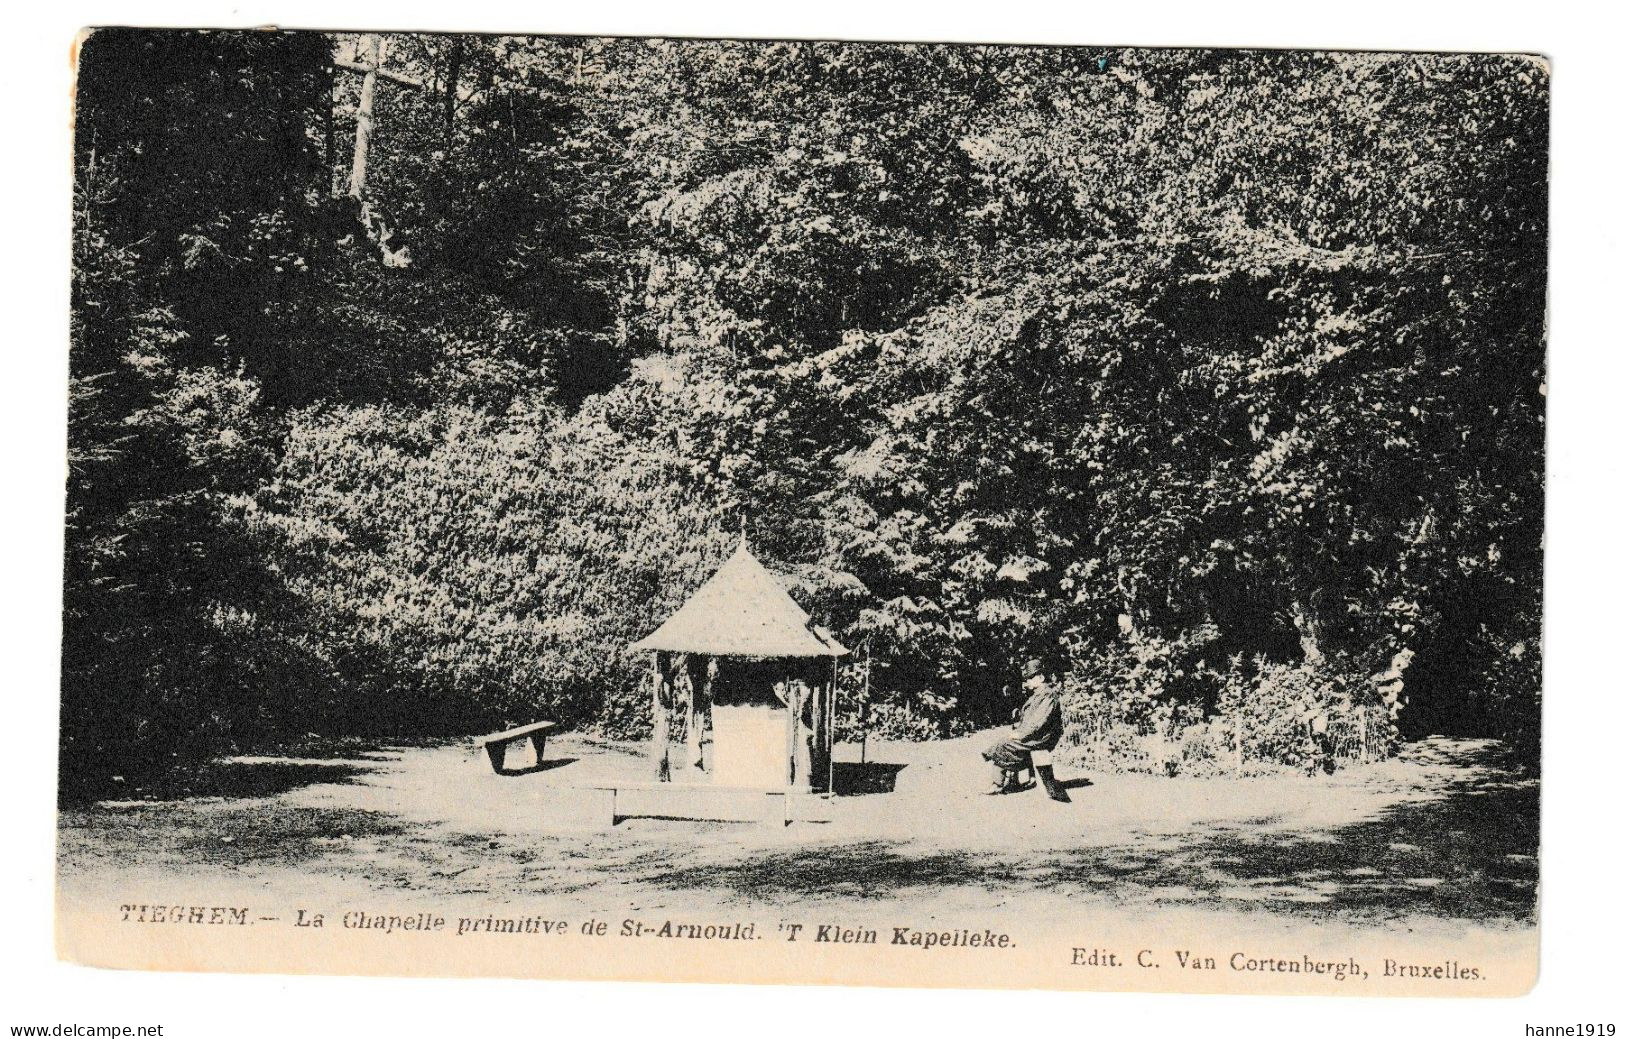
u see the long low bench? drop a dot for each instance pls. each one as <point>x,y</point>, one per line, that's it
<point>775,808</point>
<point>496,745</point>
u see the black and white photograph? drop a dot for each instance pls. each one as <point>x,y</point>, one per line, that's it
<point>805,512</point>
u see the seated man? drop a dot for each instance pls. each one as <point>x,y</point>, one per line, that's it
<point>1037,728</point>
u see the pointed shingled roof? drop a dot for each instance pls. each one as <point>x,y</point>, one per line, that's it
<point>742,611</point>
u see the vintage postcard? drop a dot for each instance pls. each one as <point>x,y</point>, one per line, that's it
<point>805,512</point>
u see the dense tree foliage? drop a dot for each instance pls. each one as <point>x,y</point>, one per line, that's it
<point>1215,375</point>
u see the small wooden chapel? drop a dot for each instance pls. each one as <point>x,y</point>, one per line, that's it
<point>754,681</point>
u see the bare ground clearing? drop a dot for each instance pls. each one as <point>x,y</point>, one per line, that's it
<point>1444,837</point>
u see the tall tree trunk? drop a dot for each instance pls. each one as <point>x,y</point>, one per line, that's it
<point>1308,636</point>
<point>449,101</point>
<point>374,50</point>
<point>327,126</point>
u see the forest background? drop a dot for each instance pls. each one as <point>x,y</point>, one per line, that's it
<point>1216,375</point>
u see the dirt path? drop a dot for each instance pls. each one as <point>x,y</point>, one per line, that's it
<point>1446,833</point>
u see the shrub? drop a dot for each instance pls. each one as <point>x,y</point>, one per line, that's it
<point>1126,704</point>
<point>896,721</point>
<point>1304,716</point>
<point>1511,692</point>
<point>1147,703</point>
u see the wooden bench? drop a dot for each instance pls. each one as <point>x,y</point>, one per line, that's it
<point>701,801</point>
<point>496,745</point>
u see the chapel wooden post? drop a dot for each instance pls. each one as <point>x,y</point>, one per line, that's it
<point>791,723</point>
<point>702,671</point>
<point>800,697</point>
<point>829,729</point>
<point>818,719</point>
<point>662,719</point>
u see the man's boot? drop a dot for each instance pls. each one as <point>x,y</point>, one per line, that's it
<point>1046,775</point>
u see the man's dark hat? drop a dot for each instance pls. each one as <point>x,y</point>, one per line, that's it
<point>1031,667</point>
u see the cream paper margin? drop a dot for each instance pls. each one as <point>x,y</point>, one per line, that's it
<point>1041,954</point>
